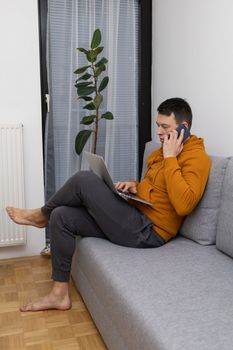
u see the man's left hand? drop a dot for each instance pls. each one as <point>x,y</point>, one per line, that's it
<point>172,146</point>
<point>127,186</point>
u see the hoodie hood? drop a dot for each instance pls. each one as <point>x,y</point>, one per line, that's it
<point>193,142</point>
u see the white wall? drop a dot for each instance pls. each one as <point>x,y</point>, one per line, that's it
<point>20,101</point>
<point>193,59</point>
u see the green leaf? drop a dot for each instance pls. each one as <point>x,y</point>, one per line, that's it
<point>90,106</point>
<point>103,84</point>
<point>83,84</point>
<point>91,56</point>
<point>99,70</point>
<point>88,120</point>
<point>98,50</point>
<point>85,90</point>
<point>107,115</point>
<point>96,39</point>
<point>85,98</point>
<point>97,101</point>
<point>81,140</point>
<point>102,61</point>
<point>81,49</point>
<point>84,77</point>
<point>81,69</point>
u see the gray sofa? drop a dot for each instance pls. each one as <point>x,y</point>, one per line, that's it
<point>176,297</point>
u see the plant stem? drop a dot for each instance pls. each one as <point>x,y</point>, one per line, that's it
<point>96,131</point>
<point>96,112</point>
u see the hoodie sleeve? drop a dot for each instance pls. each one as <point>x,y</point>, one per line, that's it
<point>186,183</point>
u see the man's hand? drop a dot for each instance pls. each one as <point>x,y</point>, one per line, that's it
<point>172,146</point>
<point>127,186</point>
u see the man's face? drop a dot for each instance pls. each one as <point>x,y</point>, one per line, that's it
<point>165,124</point>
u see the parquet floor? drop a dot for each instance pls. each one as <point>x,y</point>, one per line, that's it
<point>27,279</point>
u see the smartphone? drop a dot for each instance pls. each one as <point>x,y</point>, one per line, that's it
<point>186,131</point>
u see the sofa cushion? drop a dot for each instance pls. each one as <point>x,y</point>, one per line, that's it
<point>201,224</point>
<point>224,239</point>
<point>178,296</point>
<point>150,147</point>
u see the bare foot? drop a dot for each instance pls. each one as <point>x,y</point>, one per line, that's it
<point>33,217</point>
<point>49,302</point>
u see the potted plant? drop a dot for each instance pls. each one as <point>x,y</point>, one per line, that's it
<point>89,87</point>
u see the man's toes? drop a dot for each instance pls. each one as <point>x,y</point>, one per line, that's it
<point>26,307</point>
<point>10,211</point>
<point>23,307</point>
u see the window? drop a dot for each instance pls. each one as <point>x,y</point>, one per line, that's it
<point>127,40</point>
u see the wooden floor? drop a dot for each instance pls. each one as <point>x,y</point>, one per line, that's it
<point>27,279</point>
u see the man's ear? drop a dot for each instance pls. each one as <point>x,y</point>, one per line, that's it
<point>185,124</point>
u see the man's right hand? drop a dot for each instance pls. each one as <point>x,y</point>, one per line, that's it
<point>127,186</point>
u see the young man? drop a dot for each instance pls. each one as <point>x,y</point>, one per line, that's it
<point>174,182</point>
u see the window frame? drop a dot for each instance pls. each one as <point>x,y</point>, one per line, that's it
<point>42,19</point>
<point>144,70</point>
<point>145,79</point>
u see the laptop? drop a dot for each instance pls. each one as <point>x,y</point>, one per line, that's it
<point>98,166</point>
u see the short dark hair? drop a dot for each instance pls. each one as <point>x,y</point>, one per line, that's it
<point>181,109</point>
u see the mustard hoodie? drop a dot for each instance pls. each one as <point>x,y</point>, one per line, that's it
<point>174,185</point>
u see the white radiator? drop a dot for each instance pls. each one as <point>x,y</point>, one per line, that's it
<point>11,182</point>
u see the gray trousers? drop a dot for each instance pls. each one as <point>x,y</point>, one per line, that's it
<point>85,206</point>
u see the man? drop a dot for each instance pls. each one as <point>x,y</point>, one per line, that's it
<point>174,182</point>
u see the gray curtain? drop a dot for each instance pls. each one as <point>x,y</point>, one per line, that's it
<point>70,25</point>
